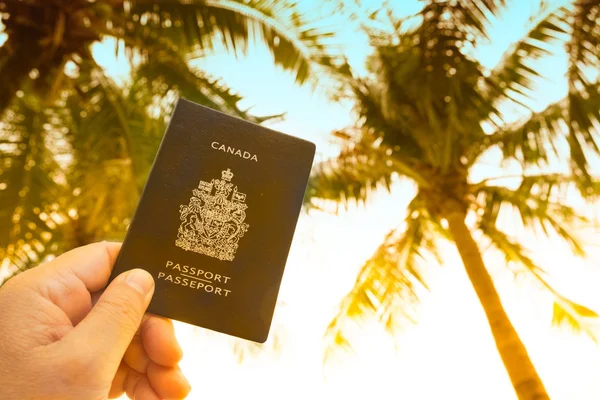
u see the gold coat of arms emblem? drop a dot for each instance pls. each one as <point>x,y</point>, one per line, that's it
<point>212,222</point>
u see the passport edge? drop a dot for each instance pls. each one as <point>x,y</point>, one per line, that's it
<point>310,144</point>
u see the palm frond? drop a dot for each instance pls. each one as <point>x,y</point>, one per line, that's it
<point>359,169</point>
<point>583,135</point>
<point>163,69</point>
<point>566,313</point>
<point>296,40</point>
<point>576,317</point>
<point>515,74</point>
<point>583,97</point>
<point>385,287</point>
<point>539,204</point>
<point>31,213</point>
<point>583,46</point>
<point>426,87</point>
<point>174,74</point>
<point>471,15</point>
<point>466,16</point>
<point>350,176</point>
<point>17,58</point>
<point>531,142</point>
<point>573,120</point>
<point>114,137</point>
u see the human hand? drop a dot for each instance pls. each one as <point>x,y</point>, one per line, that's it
<point>64,336</point>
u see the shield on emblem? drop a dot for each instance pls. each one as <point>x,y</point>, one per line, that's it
<point>212,227</point>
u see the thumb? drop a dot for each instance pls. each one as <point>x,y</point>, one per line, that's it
<point>112,323</point>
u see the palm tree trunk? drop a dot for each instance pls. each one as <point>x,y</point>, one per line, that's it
<point>522,373</point>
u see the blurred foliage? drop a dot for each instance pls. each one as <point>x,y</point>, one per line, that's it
<point>75,148</point>
<point>428,112</point>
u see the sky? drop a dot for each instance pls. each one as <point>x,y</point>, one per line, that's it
<point>449,353</point>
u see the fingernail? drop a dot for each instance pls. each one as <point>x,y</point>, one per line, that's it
<point>140,280</point>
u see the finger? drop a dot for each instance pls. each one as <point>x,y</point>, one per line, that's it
<point>136,357</point>
<point>68,293</point>
<point>68,280</point>
<point>118,384</point>
<point>111,324</point>
<point>168,382</point>
<point>96,297</point>
<point>144,391</point>
<point>91,264</point>
<point>131,381</point>
<point>160,343</point>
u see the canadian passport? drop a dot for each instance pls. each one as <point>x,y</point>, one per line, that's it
<point>216,219</point>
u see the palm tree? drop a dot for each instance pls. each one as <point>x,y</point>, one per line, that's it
<point>43,36</point>
<point>75,147</point>
<point>428,112</point>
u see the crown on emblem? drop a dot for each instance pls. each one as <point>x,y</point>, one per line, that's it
<point>227,175</point>
<point>213,221</point>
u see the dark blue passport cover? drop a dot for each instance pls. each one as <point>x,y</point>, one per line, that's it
<point>216,219</point>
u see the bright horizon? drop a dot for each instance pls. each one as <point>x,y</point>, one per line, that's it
<point>451,349</point>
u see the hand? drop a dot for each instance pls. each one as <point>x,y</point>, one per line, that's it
<point>63,336</point>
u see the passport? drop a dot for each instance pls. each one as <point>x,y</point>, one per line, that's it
<point>216,219</point>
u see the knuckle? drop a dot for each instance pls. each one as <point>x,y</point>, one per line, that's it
<point>121,308</point>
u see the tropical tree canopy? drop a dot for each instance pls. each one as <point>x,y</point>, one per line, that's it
<point>428,111</point>
<point>75,147</point>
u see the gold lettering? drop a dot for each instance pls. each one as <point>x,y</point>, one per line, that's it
<point>181,280</point>
<point>246,155</point>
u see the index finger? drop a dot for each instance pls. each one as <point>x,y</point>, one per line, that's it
<point>159,341</point>
<point>91,264</point>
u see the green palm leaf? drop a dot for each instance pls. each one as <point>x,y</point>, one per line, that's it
<point>358,170</point>
<point>295,39</point>
<point>585,41</point>
<point>566,313</point>
<point>175,75</point>
<point>537,139</point>
<point>516,72</point>
<point>540,202</point>
<point>386,284</point>
<point>31,203</point>
<point>533,141</point>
